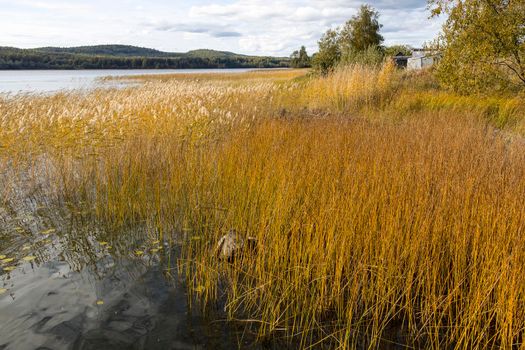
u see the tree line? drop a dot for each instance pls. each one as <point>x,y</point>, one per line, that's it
<point>11,58</point>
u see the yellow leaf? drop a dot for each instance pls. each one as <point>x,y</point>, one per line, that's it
<point>154,250</point>
<point>2,257</point>
<point>139,252</point>
<point>26,247</point>
<point>200,289</point>
<point>156,242</point>
<point>8,260</point>
<point>103,243</point>
<point>3,290</point>
<point>9,268</point>
<point>29,258</point>
<point>51,230</point>
<point>100,302</point>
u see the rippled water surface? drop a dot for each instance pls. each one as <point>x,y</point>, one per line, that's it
<point>66,282</point>
<point>23,81</point>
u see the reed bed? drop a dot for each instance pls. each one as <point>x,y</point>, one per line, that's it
<point>370,228</point>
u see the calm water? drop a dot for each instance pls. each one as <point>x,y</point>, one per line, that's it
<point>68,282</point>
<point>17,81</point>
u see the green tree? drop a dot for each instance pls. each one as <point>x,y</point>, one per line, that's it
<point>373,55</point>
<point>329,53</point>
<point>300,58</point>
<point>358,41</point>
<point>483,43</point>
<point>362,30</point>
<point>395,49</point>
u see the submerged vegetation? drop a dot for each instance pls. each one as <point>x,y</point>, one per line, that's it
<point>384,209</point>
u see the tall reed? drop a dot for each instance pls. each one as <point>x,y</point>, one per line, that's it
<point>365,226</point>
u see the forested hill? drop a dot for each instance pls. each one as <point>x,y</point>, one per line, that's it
<point>128,57</point>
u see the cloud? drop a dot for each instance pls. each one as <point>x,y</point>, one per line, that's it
<point>226,34</point>
<point>279,27</point>
<point>214,30</point>
<point>260,27</point>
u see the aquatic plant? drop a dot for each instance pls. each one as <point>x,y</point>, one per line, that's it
<point>371,216</point>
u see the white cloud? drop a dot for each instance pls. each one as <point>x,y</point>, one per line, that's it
<point>264,27</point>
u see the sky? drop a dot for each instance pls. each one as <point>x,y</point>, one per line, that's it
<point>255,27</point>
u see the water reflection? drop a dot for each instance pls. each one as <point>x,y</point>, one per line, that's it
<point>67,282</point>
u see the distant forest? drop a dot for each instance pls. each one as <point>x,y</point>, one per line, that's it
<point>129,57</point>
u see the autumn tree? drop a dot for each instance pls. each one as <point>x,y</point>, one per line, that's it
<point>483,44</point>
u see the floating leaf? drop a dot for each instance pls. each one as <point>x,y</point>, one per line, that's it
<point>9,268</point>
<point>29,258</point>
<point>100,302</point>
<point>8,260</point>
<point>139,252</point>
<point>3,290</point>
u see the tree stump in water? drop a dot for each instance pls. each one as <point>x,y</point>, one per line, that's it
<point>232,244</point>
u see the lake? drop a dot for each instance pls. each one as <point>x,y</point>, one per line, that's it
<point>68,282</point>
<point>46,81</point>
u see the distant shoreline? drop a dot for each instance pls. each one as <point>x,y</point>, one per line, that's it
<point>137,69</point>
<point>129,57</point>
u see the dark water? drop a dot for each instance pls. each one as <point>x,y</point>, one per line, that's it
<point>23,81</point>
<point>73,284</point>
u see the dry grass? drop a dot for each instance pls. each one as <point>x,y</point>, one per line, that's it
<point>365,225</point>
